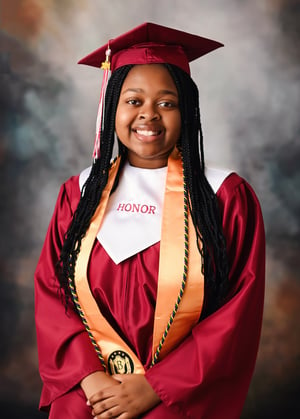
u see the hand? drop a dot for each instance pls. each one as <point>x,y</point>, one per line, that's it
<point>95,382</point>
<point>132,397</point>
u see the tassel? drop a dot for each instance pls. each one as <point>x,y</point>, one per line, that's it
<point>99,123</point>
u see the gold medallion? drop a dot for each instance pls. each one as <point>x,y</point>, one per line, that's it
<point>119,362</point>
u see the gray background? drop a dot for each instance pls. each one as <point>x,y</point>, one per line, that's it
<point>249,94</point>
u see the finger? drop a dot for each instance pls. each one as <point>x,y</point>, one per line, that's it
<point>95,398</point>
<point>125,415</point>
<point>104,406</point>
<point>113,412</point>
<point>102,395</point>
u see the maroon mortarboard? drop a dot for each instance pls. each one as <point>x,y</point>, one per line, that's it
<point>146,44</point>
<point>149,44</point>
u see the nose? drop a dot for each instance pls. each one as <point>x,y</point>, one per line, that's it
<point>149,112</point>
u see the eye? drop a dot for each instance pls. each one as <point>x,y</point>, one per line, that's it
<point>134,102</point>
<point>167,104</point>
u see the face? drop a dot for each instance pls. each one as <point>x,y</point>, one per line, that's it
<point>148,119</point>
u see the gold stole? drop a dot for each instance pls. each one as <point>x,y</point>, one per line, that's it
<point>118,357</point>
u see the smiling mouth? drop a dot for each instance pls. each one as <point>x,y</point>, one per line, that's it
<point>147,133</point>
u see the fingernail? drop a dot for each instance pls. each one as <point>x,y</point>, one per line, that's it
<point>88,403</point>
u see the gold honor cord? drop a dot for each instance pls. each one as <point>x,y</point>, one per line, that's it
<point>178,244</point>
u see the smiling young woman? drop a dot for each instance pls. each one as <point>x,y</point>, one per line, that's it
<point>150,284</point>
<point>148,120</point>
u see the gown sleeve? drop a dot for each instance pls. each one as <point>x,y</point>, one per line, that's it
<point>66,354</point>
<point>208,375</point>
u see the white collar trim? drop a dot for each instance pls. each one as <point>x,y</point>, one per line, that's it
<point>132,221</point>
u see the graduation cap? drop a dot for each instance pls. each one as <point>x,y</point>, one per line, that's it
<point>148,43</point>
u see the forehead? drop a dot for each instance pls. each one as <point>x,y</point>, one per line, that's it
<point>152,74</point>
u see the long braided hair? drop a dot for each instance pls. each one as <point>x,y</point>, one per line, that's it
<point>202,200</point>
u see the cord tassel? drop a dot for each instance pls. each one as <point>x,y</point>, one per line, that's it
<point>99,123</point>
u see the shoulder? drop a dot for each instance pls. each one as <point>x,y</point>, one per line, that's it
<point>225,181</point>
<point>235,186</point>
<point>73,187</point>
<point>231,189</point>
<point>69,193</point>
<point>238,200</point>
<point>216,177</point>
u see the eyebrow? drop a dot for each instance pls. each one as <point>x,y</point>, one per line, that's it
<point>161,92</point>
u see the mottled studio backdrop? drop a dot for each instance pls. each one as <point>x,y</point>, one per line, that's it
<point>250,100</point>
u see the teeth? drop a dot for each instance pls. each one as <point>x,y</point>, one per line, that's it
<point>146,133</point>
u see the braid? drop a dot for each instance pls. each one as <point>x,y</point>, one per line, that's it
<point>202,199</point>
<point>93,188</point>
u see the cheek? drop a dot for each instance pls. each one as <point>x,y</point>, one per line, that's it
<point>119,122</point>
<point>176,124</point>
<point>123,119</point>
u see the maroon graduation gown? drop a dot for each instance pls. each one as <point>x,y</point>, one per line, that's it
<point>208,375</point>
